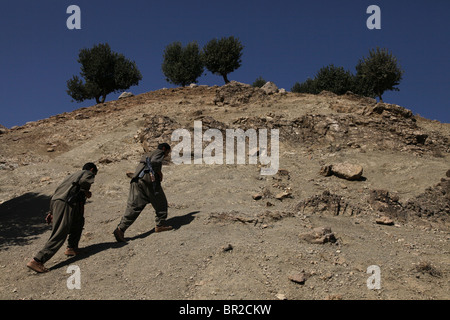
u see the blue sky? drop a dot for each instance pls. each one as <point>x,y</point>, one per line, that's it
<point>284,42</point>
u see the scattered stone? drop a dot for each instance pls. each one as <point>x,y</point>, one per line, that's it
<point>283,195</point>
<point>50,149</point>
<point>229,247</point>
<point>283,172</point>
<point>281,296</point>
<point>319,235</point>
<point>257,196</point>
<point>385,220</point>
<point>105,160</point>
<point>299,278</point>
<point>81,116</point>
<point>126,95</point>
<point>326,171</point>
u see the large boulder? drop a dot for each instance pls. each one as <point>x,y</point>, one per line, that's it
<point>347,171</point>
<point>270,88</point>
<point>344,170</point>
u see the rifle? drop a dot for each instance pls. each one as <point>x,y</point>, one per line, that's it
<point>148,169</point>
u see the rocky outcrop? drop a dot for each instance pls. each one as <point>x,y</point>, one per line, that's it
<point>157,129</point>
<point>326,203</point>
<point>270,88</point>
<point>236,93</point>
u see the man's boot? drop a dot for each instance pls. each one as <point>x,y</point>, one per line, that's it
<point>37,266</point>
<point>163,228</point>
<point>119,234</point>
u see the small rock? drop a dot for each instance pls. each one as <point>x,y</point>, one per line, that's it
<point>319,235</point>
<point>283,195</point>
<point>299,278</point>
<point>257,196</point>
<point>280,296</point>
<point>283,172</point>
<point>126,95</point>
<point>229,247</point>
<point>105,160</point>
<point>326,171</point>
<point>347,171</point>
<point>50,149</point>
<point>385,220</point>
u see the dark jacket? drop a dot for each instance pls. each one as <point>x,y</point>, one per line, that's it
<point>156,159</point>
<point>84,178</point>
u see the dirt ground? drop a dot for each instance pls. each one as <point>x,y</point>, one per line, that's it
<point>225,244</point>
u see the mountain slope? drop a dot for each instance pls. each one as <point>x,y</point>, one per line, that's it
<point>226,245</point>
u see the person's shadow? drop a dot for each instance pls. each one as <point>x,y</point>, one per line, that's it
<point>175,222</point>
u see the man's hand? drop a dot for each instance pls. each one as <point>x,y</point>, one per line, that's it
<point>88,194</point>
<point>49,218</point>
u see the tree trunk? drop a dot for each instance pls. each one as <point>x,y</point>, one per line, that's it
<point>225,78</point>
<point>381,99</point>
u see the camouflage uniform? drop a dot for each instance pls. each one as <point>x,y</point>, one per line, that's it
<point>142,192</point>
<point>68,218</point>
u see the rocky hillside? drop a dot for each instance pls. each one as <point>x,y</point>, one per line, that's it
<point>360,183</point>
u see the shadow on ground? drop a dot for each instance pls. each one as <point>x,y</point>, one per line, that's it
<point>22,219</point>
<point>175,222</point>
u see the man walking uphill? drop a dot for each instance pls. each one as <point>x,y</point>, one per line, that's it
<point>66,215</point>
<point>145,188</point>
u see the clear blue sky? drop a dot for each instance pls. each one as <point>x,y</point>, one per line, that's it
<point>285,42</point>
